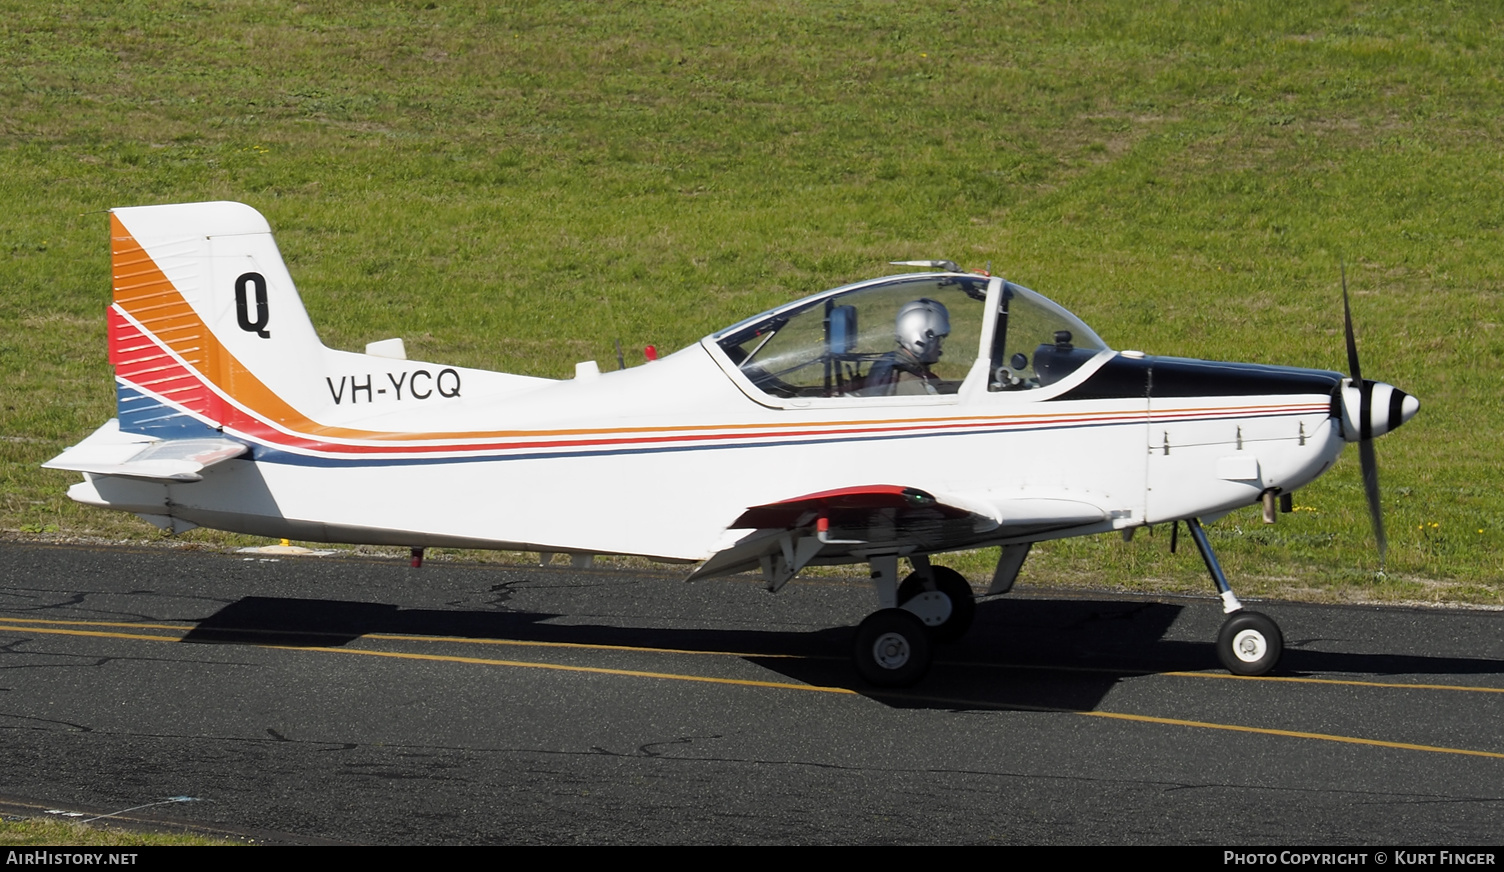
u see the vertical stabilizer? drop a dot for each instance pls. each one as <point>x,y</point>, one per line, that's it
<point>205,321</point>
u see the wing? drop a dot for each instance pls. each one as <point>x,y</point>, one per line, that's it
<point>850,524</point>
<point>108,451</point>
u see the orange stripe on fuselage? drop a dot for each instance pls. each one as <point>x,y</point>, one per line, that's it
<point>145,293</point>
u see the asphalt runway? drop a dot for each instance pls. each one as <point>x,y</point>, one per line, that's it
<point>360,701</point>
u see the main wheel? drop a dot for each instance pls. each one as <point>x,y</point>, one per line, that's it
<point>963,603</point>
<point>892,648</point>
<point>1249,643</point>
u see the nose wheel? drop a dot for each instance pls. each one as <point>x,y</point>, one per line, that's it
<point>1249,643</point>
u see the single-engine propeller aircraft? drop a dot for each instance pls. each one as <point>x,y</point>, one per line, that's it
<point>890,419</point>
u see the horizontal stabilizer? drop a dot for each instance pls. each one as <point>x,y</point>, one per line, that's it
<point>108,451</point>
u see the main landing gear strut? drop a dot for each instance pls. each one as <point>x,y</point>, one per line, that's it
<point>1249,642</point>
<point>933,605</point>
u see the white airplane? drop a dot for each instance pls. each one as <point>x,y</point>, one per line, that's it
<point>900,417</point>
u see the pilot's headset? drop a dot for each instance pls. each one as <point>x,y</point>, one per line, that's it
<point>920,326</point>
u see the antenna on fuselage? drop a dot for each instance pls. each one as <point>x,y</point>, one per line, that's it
<point>947,265</point>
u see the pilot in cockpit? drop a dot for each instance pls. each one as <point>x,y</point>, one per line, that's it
<point>920,328</point>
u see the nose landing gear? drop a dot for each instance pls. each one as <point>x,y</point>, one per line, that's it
<point>1249,642</point>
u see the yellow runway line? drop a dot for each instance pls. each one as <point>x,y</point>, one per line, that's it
<point>1348,681</point>
<point>29,625</point>
<point>134,625</point>
<point>1294,734</point>
<point>588,646</point>
<point>598,670</point>
<point>32,624</point>
<point>101,634</point>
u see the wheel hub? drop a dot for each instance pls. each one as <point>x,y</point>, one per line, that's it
<point>1249,646</point>
<point>891,651</point>
<point>932,607</point>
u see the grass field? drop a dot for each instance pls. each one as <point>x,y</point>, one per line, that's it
<point>37,832</point>
<point>516,188</point>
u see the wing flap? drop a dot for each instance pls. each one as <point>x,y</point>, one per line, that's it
<point>868,498</point>
<point>851,523</point>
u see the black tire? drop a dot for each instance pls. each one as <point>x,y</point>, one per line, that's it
<point>1249,644</point>
<point>963,602</point>
<point>892,649</point>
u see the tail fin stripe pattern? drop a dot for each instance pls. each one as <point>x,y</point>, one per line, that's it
<point>142,363</point>
<point>143,291</point>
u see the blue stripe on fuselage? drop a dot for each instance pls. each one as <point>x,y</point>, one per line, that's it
<point>269,454</point>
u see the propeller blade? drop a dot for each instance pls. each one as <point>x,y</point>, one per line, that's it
<point>1366,457</point>
<point>1352,344</point>
<point>1370,466</point>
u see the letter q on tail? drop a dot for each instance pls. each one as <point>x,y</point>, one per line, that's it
<point>242,305</point>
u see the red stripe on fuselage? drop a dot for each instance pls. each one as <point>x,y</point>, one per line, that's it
<point>146,365</point>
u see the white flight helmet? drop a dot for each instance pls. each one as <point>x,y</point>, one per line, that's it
<point>920,326</point>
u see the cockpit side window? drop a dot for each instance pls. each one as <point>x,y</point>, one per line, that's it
<point>912,336</point>
<point>1036,343</point>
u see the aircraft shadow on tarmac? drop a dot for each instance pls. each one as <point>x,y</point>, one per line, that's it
<point>1026,654</point>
